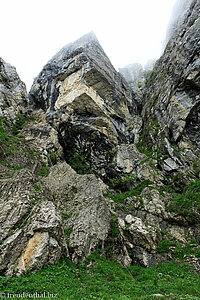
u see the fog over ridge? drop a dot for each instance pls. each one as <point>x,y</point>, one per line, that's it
<point>177,16</point>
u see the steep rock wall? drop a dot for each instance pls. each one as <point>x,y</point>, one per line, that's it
<point>172,88</point>
<point>13,95</point>
<point>87,102</point>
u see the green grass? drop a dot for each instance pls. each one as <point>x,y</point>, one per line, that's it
<point>8,143</point>
<point>78,162</point>
<point>105,279</point>
<point>178,249</point>
<point>19,123</point>
<point>189,199</point>
<point>44,170</point>
<point>119,198</point>
<point>123,182</point>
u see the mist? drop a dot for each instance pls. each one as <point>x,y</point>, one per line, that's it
<point>177,16</point>
<point>33,31</point>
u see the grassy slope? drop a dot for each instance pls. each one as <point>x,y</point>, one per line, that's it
<point>99,278</point>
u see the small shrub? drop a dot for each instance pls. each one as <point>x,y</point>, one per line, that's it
<point>68,231</point>
<point>44,170</point>
<point>19,124</point>
<point>78,162</point>
<point>53,158</point>
<point>119,198</point>
<point>124,182</point>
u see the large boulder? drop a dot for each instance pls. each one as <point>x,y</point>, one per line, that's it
<point>86,214</point>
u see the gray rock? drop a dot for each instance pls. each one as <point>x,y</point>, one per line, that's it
<point>127,158</point>
<point>86,215</point>
<point>177,17</point>
<point>13,95</point>
<point>43,138</point>
<point>143,257</point>
<point>89,104</point>
<point>170,165</point>
<point>172,94</point>
<point>134,75</point>
<point>144,236</point>
<point>31,230</point>
<point>148,67</point>
<point>141,240</point>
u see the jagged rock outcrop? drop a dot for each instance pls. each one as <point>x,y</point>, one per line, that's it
<point>89,104</point>
<point>135,76</point>
<point>172,95</point>
<point>177,17</point>
<point>86,214</point>
<point>13,95</point>
<point>31,231</point>
<point>43,138</point>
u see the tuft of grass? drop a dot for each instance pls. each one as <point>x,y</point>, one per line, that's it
<point>114,227</point>
<point>44,170</point>
<point>177,249</point>
<point>123,182</point>
<point>188,202</point>
<point>134,192</point>
<point>19,124</point>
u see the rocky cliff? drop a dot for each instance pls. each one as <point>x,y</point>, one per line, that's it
<point>172,93</point>
<point>90,160</point>
<point>89,104</point>
<point>13,95</point>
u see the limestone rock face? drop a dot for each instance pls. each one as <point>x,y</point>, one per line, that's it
<point>127,158</point>
<point>89,104</point>
<point>173,88</point>
<point>44,138</point>
<point>135,76</point>
<point>177,17</point>
<point>13,95</point>
<point>86,215</point>
<point>141,239</point>
<point>31,231</point>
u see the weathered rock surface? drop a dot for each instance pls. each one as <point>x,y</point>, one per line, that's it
<point>177,17</point>
<point>86,215</point>
<point>13,95</point>
<point>135,76</point>
<point>43,138</point>
<point>173,88</point>
<point>31,229</point>
<point>89,104</point>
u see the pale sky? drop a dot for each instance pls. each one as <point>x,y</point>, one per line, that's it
<point>129,31</point>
